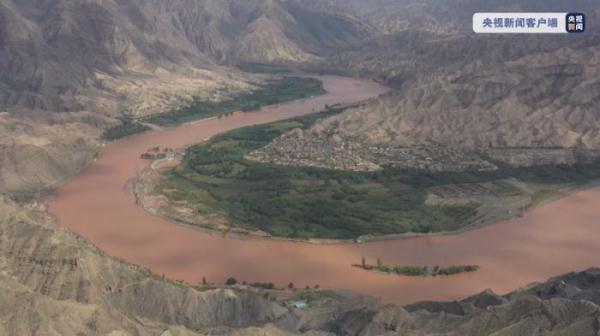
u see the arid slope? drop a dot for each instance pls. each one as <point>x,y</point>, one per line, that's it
<point>54,283</point>
<point>462,102</point>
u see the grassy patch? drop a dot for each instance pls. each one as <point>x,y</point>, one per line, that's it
<point>273,92</point>
<point>127,128</point>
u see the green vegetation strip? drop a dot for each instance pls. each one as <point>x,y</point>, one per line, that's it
<point>299,202</point>
<point>273,92</point>
<point>128,127</point>
<point>417,270</point>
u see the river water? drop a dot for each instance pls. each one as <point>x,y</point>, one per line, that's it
<point>559,237</point>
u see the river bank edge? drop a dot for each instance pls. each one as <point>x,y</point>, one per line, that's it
<point>143,188</point>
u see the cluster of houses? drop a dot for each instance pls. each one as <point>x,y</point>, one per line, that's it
<point>434,158</point>
<point>295,149</point>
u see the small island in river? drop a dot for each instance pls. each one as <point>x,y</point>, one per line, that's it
<point>416,270</point>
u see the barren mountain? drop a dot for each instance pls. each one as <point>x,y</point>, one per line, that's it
<point>264,31</point>
<point>58,54</point>
<point>565,305</point>
<point>445,17</point>
<point>463,102</point>
<point>51,51</point>
<point>38,152</point>
<point>54,283</point>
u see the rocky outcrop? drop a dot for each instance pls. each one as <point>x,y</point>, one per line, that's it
<point>562,306</point>
<point>37,153</point>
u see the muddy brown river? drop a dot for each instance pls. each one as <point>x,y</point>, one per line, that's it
<point>559,237</point>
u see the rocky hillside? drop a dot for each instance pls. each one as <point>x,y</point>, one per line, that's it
<point>446,17</point>
<point>566,305</point>
<point>39,151</point>
<point>264,31</point>
<point>54,283</point>
<point>70,55</point>
<point>52,50</point>
<point>486,100</point>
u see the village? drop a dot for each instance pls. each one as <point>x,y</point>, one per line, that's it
<point>295,149</point>
<point>334,152</point>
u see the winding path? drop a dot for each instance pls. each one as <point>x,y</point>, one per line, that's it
<point>556,238</point>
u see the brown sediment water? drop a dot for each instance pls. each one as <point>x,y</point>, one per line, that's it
<point>559,237</point>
